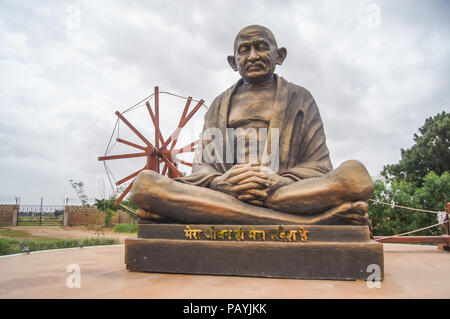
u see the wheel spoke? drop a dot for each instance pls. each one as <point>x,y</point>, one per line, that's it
<point>176,133</point>
<point>142,137</point>
<point>186,149</point>
<point>157,133</point>
<point>171,166</point>
<point>171,137</point>
<point>164,171</point>
<point>186,108</point>
<point>183,122</point>
<point>183,162</point>
<point>112,157</point>
<point>149,108</point>
<point>125,192</point>
<point>123,180</point>
<point>131,144</point>
<point>191,114</point>
<point>173,174</point>
<point>152,162</point>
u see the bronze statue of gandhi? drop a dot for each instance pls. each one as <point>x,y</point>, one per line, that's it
<point>295,184</point>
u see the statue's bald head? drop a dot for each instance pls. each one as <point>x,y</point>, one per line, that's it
<point>256,54</point>
<point>255,29</point>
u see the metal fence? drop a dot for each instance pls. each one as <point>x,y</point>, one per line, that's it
<point>37,215</point>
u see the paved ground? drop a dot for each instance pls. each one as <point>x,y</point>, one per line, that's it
<point>411,272</point>
<point>69,232</point>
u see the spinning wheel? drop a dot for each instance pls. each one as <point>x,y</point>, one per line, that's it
<point>161,151</point>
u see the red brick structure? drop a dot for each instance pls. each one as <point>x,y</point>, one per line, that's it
<point>8,215</point>
<point>73,216</point>
<point>122,217</point>
<point>81,216</point>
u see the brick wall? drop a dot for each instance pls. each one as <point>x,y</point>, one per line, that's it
<point>115,219</point>
<point>73,216</point>
<point>122,217</point>
<point>8,214</point>
<point>81,216</point>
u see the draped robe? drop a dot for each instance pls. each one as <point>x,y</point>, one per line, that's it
<point>303,152</point>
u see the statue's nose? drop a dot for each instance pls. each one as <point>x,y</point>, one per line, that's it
<point>253,54</point>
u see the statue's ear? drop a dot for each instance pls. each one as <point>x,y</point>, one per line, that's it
<point>232,62</point>
<point>282,53</point>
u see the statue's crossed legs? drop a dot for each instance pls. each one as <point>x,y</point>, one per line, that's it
<point>336,198</point>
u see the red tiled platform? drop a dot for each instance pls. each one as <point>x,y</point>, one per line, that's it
<point>411,271</point>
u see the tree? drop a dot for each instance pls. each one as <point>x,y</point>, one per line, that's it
<point>431,152</point>
<point>107,205</point>
<point>420,180</point>
<point>78,187</point>
<point>431,196</point>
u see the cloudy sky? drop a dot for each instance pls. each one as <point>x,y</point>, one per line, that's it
<point>377,70</point>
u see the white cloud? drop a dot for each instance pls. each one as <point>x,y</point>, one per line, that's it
<point>60,85</point>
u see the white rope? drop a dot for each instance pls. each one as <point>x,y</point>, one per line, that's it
<point>184,97</point>
<point>110,138</point>
<point>110,172</point>
<point>107,174</point>
<point>137,104</point>
<point>410,208</point>
<point>128,209</point>
<point>414,231</point>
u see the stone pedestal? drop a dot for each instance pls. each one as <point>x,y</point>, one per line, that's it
<point>288,251</point>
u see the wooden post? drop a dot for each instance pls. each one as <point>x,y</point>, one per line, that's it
<point>15,215</point>
<point>446,246</point>
<point>447,225</point>
<point>156,162</point>
<point>40,212</point>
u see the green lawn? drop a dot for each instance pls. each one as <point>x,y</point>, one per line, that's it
<point>7,232</point>
<point>11,242</point>
<point>34,221</point>
<point>126,228</point>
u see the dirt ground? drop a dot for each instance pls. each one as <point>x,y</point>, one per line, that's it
<point>70,232</point>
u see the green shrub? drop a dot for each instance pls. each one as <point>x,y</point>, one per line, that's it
<point>13,246</point>
<point>126,228</point>
<point>7,232</point>
<point>9,246</point>
<point>109,213</point>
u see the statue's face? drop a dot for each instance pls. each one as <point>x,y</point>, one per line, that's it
<point>255,56</point>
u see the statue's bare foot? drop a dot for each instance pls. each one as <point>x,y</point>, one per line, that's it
<point>354,213</point>
<point>143,214</point>
<point>146,216</point>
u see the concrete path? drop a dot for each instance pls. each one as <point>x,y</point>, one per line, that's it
<point>412,271</point>
<point>70,232</point>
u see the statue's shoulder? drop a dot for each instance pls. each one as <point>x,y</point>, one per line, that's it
<point>300,97</point>
<point>296,89</point>
<point>225,95</point>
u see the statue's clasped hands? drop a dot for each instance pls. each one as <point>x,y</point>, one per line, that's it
<point>251,183</point>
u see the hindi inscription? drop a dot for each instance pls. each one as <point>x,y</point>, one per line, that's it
<point>243,234</point>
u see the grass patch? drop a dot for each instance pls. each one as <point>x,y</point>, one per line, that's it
<point>126,228</point>
<point>10,246</point>
<point>21,223</point>
<point>7,232</point>
<point>34,221</point>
